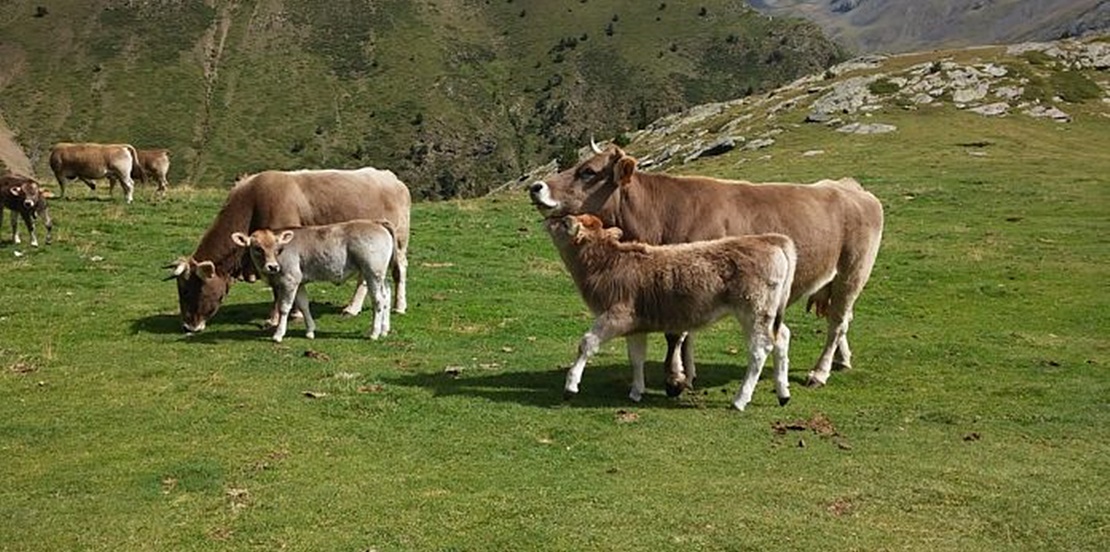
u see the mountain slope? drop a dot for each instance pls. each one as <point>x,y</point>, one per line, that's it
<point>454,95</point>
<point>894,26</point>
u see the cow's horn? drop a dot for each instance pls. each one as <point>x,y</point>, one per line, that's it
<point>594,146</point>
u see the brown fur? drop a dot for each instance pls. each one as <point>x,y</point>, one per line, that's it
<point>154,163</point>
<point>276,199</point>
<point>24,196</point>
<point>90,162</point>
<point>835,224</point>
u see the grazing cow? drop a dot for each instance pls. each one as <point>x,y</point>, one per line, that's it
<point>24,196</point>
<point>89,162</point>
<point>154,163</point>
<point>836,226</point>
<point>292,258</point>
<point>280,199</point>
<point>634,288</point>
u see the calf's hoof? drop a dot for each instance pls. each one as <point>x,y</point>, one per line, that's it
<point>814,383</point>
<point>783,401</point>
<point>841,366</point>
<point>675,389</point>
<point>310,335</point>
<point>568,394</point>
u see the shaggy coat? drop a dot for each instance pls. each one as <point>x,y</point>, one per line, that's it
<point>290,259</point>
<point>90,162</point>
<point>24,196</point>
<point>835,224</point>
<point>634,289</point>
<point>278,199</point>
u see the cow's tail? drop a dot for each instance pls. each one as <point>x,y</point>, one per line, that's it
<point>136,166</point>
<point>393,239</point>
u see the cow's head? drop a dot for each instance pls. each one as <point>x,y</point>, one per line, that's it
<point>29,193</point>
<point>575,230</point>
<point>264,247</point>
<point>200,290</point>
<point>588,187</point>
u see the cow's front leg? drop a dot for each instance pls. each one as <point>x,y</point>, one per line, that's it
<point>358,300</point>
<point>637,353</point>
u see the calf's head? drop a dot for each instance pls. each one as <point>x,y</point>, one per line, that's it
<point>264,247</point>
<point>570,231</point>
<point>28,193</point>
<point>200,290</point>
<point>591,186</point>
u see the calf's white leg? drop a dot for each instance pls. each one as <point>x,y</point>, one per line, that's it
<point>604,329</point>
<point>759,346</point>
<point>380,325</point>
<point>301,300</point>
<point>285,304</point>
<point>782,365</point>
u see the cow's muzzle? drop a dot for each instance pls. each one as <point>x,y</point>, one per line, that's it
<point>540,193</point>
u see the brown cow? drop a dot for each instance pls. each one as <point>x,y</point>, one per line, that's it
<point>835,224</point>
<point>279,199</point>
<point>89,162</point>
<point>154,163</point>
<point>635,288</point>
<point>24,196</point>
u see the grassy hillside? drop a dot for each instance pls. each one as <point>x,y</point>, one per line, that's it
<point>457,96</point>
<point>976,417</point>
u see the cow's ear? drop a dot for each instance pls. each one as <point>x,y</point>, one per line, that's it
<point>206,269</point>
<point>285,237</point>
<point>241,239</point>
<point>623,170</point>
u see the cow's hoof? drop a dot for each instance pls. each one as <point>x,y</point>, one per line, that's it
<point>310,335</point>
<point>783,401</point>
<point>568,395</point>
<point>276,339</point>
<point>675,389</point>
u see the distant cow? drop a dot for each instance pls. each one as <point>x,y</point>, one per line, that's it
<point>153,163</point>
<point>90,162</point>
<point>24,196</point>
<point>290,259</point>
<point>279,199</point>
<point>634,288</point>
<point>836,226</point>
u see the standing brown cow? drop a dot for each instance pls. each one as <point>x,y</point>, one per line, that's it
<point>835,224</point>
<point>154,163</point>
<point>279,199</point>
<point>89,162</point>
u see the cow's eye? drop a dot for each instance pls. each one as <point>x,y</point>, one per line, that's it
<point>587,173</point>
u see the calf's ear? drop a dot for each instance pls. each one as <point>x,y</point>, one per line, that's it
<point>15,190</point>
<point>241,239</point>
<point>622,171</point>
<point>285,237</point>
<point>614,233</point>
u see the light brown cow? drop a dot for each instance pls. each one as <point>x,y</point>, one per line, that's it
<point>89,162</point>
<point>835,224</point>
<point>154,163</point>
<point>633,289</point>
<point>279,199</point>
<point>290,259</point>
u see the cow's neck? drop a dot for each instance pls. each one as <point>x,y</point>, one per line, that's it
<point>637,212</point>
<point>216,244</point>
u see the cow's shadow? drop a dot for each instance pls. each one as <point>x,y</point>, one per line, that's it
<point>229,322</point>
<point>602,386</point>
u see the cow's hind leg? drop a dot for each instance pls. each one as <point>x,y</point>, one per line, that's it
<point>637,354</point>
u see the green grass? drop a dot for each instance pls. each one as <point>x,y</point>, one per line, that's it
<point>976,417</point>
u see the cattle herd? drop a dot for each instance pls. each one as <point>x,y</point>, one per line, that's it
<point>648,252</point>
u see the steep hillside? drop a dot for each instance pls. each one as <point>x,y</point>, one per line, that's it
<point>455,95</point>
<point>895,26</point>
<point>980,101</point>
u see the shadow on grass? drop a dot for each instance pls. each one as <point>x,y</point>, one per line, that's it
<point>228,324</point>
<point>602,386</point>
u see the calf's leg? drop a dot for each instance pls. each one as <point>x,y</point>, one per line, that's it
<point>301,301</point>
<point>782,365</point>
<point>357,300</point>
<point>29,222</point>
<point>760,344</point>
<point>380,325</point>
<point>606,327</point>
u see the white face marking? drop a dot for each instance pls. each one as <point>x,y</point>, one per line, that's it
<point>541,196</point>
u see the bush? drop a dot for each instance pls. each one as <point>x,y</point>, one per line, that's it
<point>883,86</point>
<point>1074,86</point>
